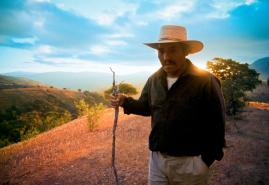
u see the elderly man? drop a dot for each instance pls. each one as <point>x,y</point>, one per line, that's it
<point>187,110</point>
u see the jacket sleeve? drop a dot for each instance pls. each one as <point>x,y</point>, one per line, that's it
<point>215,113</point>
<point>140,106</point>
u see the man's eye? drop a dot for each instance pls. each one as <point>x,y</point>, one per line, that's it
<point>172,50</point>
<point>160,51</point>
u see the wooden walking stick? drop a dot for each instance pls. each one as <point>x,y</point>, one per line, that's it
<point>115,91</point>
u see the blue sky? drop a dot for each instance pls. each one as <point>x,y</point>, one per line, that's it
<point>89,35</point>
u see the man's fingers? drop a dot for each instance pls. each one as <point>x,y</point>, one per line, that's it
<point>114,101</point>
<point>111,96</point>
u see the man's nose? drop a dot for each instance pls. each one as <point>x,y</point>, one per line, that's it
<point>166,56</point>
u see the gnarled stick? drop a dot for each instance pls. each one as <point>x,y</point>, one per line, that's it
<point>114,93</point>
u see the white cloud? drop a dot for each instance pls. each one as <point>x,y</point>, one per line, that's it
<point>120,35</point>
<point>175,10</point>
<point>26,40</point>
<point>99,50</point>
<point>165,11</point>
<point>45,49</point>
<point>116,43</point>
<point>105,18</point>
<point>39,1</point>
<point>222,8</point>
<point>61,6</point>
<point>79,65</point>
<point>103,12</point>
<point>249,2</point>
<point>39,23</point>
<point>109,16</point>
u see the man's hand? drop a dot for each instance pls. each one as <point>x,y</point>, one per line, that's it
<point>116,101</point>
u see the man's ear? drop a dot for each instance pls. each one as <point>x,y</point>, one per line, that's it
<point>186,53</point>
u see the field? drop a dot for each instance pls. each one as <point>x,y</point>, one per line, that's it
<point>70,154</point>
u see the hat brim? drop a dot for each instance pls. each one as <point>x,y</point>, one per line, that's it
<point>193,46</point>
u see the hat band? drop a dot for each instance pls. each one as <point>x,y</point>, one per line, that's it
<point>172,39</point>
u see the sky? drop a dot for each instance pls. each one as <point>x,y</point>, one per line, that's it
<point>90,35</point>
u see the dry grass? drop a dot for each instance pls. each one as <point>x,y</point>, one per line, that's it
<point>260,94</point>
<point>70,154</point>
<point>22,96</point>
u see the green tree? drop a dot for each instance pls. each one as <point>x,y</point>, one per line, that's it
<point>94,114</point>
<point>268,81</point>
<point>125,88</point>
<point>82,107</point>
<point>31,122</point>
<point>94,98</point>
<point>49,120</point>
<point>65,117</point>
<point>236,78</point>
<point>53,119</point>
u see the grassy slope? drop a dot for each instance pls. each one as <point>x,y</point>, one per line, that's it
<point>19,81</point>
<point>17,91</point>
<point>70,154</point>
<point>23,96</point>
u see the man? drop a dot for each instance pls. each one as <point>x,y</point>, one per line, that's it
<point>187,110</point>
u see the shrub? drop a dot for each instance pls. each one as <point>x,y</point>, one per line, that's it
<point>124,88</point>
<point>82,107</point>
<point>94,114</point>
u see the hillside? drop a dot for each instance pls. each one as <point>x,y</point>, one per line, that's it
<point>27,110</point>
<point>70,154</point>
<point>22,92</point>
<point>43,96</point>
<point>262,67</point>
<point>17,82</point>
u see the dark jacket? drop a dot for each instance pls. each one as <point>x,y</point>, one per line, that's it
<point>188,119</point>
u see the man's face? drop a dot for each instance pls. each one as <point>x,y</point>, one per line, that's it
<point>172,58</point>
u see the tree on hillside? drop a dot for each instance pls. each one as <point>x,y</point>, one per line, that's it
<point>31,122</point>
<point>268,81</point>
<point>82,107</point>
<point>125,88</point>
<point>94,114</point>
<point>236,78</point>
<point>94,98</point>
<point>53,119</point>
<point>9,126</point>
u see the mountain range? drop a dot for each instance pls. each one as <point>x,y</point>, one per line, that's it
<point>262,67</point>
<point>9,82</point>
<point>92,81</point>
<point>97,81</point>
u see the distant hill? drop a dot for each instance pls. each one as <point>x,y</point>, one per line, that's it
<point>39,97</point>
<point>92,81</point>
<point>21,93</point>
<point>262,67</point>
<point>17,82</point>
<point>28,108</point>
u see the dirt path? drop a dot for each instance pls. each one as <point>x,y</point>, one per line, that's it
<point>70,154</point>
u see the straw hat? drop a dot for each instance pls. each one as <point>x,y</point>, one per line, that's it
<point>173,34</point>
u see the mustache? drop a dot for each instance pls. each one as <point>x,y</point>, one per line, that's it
<point>169,62</point>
